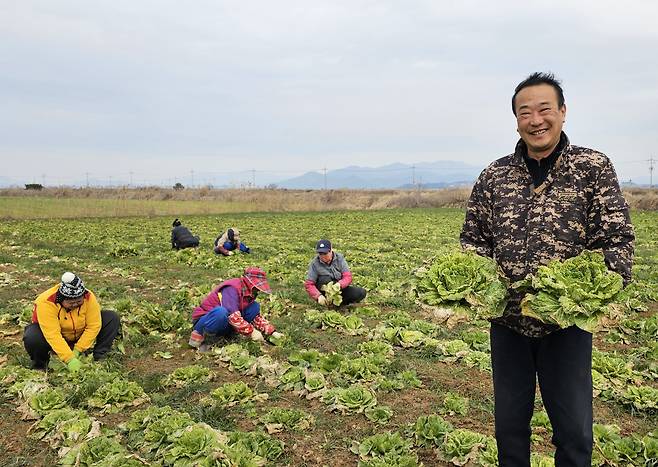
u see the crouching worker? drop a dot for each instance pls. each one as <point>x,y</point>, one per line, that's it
<point>330,266</point>
<point>181,237</point>
<point>228,242</point>
<point>67,320</point>
<point>232,307</point>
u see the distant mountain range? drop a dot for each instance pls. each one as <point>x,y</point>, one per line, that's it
<point>426,174</point>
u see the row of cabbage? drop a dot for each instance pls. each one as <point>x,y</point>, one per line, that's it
<point>466,447</point>
<point>68,410</point>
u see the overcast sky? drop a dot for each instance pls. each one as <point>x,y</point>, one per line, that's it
<point>156,89</point>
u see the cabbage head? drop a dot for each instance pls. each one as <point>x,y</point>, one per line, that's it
<point>332,319</point>
<point>576,291</point>
<point>380,414</point>
<point>278,419</point>
<point>354,399</point>
<point>195,442</point>
<point>314,381</point>
<point>382,444</point>
<point>47,400</point>
<point>430,430</point>
<point>461,446</point>
<point>181,377</point>
<point>333,293</point>
<point>464,279</point>
<point>257,443</point>
<point>95,452</point>
<point>230,394</point>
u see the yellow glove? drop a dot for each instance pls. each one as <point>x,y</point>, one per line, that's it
<point>322,300</point>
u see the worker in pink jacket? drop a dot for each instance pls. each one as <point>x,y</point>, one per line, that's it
<point>232,307</point>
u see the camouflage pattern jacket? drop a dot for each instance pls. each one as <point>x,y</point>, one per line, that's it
<point>579,206</point>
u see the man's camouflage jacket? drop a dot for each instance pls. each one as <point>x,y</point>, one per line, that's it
<point>579,206</point>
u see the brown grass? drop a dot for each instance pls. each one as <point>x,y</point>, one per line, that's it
<point>207,200</point>
<point>644,199</point>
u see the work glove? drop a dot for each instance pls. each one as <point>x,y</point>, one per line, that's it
<point>277,335</point>
<point>74,365</point>
<point>322,300</point>
<point>257,336</point>
<point>229,253</point>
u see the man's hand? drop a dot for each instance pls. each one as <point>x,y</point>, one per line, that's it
<point>322,300</point>
<point>74,365</point>
<point>276,335</point>
<point>257,336</point>
<point>229,253</point>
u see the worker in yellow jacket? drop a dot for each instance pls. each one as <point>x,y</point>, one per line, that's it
<point>68,320</point>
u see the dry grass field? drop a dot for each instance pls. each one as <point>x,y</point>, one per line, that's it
<point>74,203</point>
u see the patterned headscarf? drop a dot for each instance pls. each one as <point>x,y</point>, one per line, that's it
<point>255,277</point>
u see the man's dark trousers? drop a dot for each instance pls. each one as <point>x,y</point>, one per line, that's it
<point>562,362</point>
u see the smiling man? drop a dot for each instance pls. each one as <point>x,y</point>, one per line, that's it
<point>548,200</point>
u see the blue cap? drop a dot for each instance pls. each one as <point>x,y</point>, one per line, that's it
<point>323,246</point>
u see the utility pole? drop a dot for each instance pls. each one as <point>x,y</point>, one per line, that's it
<point>43,180</point>
<point>253,178</point>
<point>651,161</point>
<point>413,175</point>
<point>110,180</point>
<point>191,178</point>
<point>325,178</point>
<point>87,174</point>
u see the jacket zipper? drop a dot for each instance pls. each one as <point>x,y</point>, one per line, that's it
<point>75,333</point>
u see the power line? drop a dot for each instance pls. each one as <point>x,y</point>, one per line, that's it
<point>237,177</point>
<point>651,161</point>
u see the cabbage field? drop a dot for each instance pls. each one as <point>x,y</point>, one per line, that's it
<point>393,382</point>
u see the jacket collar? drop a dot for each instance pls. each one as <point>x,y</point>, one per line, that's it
<point>521,151</point>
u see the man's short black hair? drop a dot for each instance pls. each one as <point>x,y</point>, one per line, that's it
<point>540,78</point>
